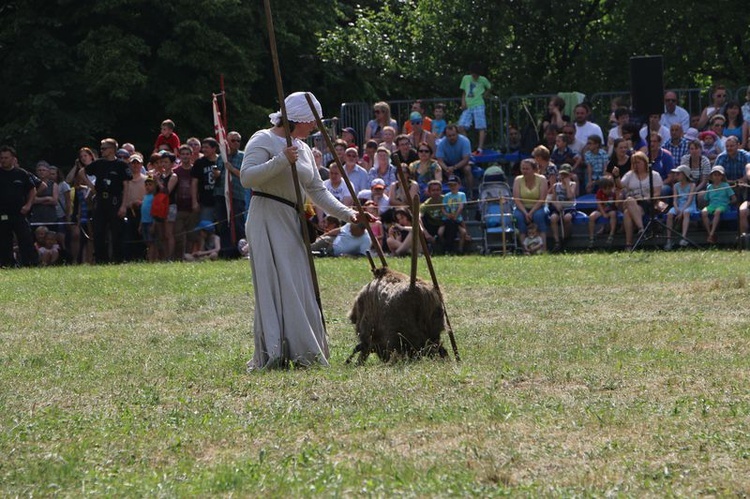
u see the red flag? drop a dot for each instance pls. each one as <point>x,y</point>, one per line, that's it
<point>221,138</point>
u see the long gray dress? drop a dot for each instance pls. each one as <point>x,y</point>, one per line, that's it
<point>284,294</point>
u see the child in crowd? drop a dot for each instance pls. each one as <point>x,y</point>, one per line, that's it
<point>562,153</point>
<point>562,205</point>
<point>147,228</point>
<point>432,210</point>
<point>596,159</point>
<point>438,122</point>
<point>389,135</point>
<point>167,137</point>
<point>207,245</point>
<point>473,87</point>
<point>40,233</point>
<point>376,224</point>
<point>711,148</point>
<point>606,207</point>
<point>533,244</point>
<point>49,252</point>
<point>453,220</point>
<point>683,204</point>
<point>718,196</point>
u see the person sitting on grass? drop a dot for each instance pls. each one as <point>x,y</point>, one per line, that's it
<point>606,207</point>
<point>207,245</point>
<point>400,233</point>
<point>683,204</point>
<point>533,244</point>
<point>49,252</point>
<point>718,196</point>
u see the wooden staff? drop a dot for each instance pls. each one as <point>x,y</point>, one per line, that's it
<point>428,259</point>
<point>295,179</point>
<point>363,218</point>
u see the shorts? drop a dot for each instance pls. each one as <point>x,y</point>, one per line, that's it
<point>475,114</point>
<point>551,209</point>
<point>673,211</point>
<point>172,213</point>
<point>148,237</point>
<point>713,208</point>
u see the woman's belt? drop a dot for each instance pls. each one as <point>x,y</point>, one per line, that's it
<point>276,198</point>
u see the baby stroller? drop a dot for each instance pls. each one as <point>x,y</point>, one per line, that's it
<point>496,207</point>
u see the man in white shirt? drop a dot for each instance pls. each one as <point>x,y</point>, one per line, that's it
<point>585,128</point>
<point>674,113</point>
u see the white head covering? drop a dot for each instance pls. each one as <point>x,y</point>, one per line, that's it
<point>297,109</point>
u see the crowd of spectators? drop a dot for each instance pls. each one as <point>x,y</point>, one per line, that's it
<point>117,204</point>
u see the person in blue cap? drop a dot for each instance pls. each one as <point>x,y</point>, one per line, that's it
<point>207,244</point>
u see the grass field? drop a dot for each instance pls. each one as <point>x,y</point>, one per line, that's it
<point>592,374</point>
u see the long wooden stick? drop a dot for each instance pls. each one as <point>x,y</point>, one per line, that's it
<point>362,215</point>
<point>428,260</point>
<point>295,177</point>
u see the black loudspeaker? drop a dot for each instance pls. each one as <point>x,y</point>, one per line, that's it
<point>647,85</point>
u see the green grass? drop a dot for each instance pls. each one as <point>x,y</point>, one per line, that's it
<point>590,374</point>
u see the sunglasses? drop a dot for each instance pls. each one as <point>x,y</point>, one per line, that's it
<point>416,122</point>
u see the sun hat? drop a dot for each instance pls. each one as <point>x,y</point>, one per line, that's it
<point>205,225</point>
<point>718,168</point>
<point>566,169</point>
<point>683,169</point>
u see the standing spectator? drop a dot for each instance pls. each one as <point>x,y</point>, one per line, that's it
<point>167,139</point>
<point>473,87</point>
<point>374,129</point>
<point>187,213</point>
<point>453,155</point>
<point>146,227</point>
<point>44,212</point>
<point>17,193</point>
<point>134,247</point>
<point>584,127</point>
<point>418,108</point>
<point>81,245</point>
<point>733,160</point>
<point>204,179</point>
<point>167,182</point>
<point>674,114</point>
<point>195,146</point>
<point>234,157</point>
<point>111,187</point>
<point>719,99</point>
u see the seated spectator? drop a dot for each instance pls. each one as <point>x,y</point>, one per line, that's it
<point>349,135</point>
<point>322,147</point>
<point>376,225</point>
<point>356,174</point>
<point>719,99</point>
<point>207,244</point>
<point>569,129</point>
<point>562,153</point>
<point>418,108</point>
<point>389,137</point>
<point>606,207</point>
<point>596,159</point>
<point>378,196</point>
<point>734,126</point>
<point>677,145</point>
<point>339,149</point>
<point>555,114</point>
<point>533,244</point>
<point>453,155</point>
<point>662,163</point>
<point>709,146</point>
<point>400,233</point>
<point>396,196</point>
<point>638,200</point>
<point>383,168</point>
<point>562,206</point>
<point>674,114</point>
<point>622,115</point>
<point>425,169</point>
<point>418,134</point>
<point>432,210</point>
<point>683,204</point>
<point>375,127</point>
<point>322,170</point>
<point>619,162</point>
<point>584,127</point>
<point>635,142</point>
<point>733,160</point>
<point>338,189</point>
<point>547,168</point>
<point>719,196</point>
<point>438,123</point>
<point>530,194</point>
<point>654,126</point>
<point>352,240</point>
<point>167,139</point>
<point>49,251</point>
<point>405,154</point>
<point>514,139</point>
<point>550,136</point>
<point>368,157</point>
<point>700,166</point>
<point>323,244</point>
<point>743,197</point>
<point>717,125</point>
<point>453,219</point>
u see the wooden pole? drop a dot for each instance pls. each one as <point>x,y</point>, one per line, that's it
<point>362,215</point>
<point>295,177</point>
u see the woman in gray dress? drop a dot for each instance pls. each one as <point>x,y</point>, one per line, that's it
<point>285,303</point>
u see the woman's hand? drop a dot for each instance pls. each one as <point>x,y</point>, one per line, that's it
<point>291,154</point>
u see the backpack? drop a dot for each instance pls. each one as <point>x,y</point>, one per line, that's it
<point>160,206</point>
